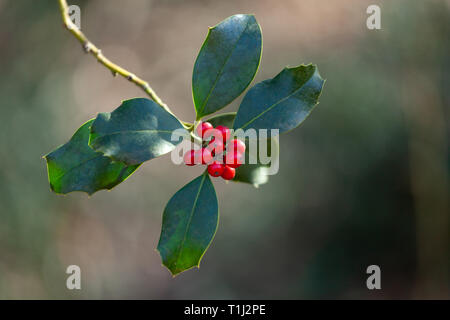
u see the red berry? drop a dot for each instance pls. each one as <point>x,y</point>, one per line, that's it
<point>236,146</point>
<point>189,158</point>
<point>204,130</point>
<point>215,169</point>
<point>233,160</point>
<point>203,156</point>
<point>225,132</point>
<point>215,146</point>
<point>228,173</point>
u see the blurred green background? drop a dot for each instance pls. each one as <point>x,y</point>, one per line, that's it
<point>365,180</point>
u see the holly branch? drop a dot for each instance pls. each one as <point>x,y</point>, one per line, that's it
<point>91,48</point>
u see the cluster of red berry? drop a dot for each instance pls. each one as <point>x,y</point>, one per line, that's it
<point>222,154</point>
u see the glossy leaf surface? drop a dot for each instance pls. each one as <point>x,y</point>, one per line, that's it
<point>226,63</point>
<point>282,102</point>
<point>189,224</point>
<point>137,131</point>
<point>224,119</point>
<point>76,167</point>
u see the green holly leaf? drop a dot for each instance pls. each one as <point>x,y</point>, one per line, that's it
<point>257,173</point>
<point>282,102</point>
<point>76,167</point>
<point>254,173</point>
<point>189,223</point>
<point>137,131</point>
<point>226,64</point>
<point>223,119</point>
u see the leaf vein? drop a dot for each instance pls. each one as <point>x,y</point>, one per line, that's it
<point>222,68</point>
<point>77,166</point>
<point>190,219</point>
<point>133,131</point>
<point>275,104</point>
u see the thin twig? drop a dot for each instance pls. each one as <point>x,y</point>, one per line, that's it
<point>89,47</point>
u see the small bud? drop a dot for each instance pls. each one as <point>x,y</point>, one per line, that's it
<point>86,47</point>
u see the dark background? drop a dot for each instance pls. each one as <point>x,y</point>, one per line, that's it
<point>365,180</point>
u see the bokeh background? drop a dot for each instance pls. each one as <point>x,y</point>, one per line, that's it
<point>365,180</point>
